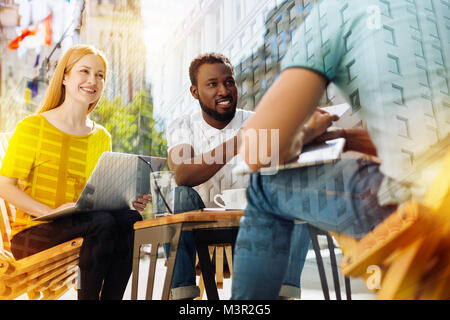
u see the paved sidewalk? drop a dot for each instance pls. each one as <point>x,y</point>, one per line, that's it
<point>311,289</point>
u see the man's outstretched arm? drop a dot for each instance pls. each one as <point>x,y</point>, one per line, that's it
<point>193,170</point>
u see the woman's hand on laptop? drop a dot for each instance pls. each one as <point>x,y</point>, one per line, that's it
<point>141,203</point>
<point>64,206</point>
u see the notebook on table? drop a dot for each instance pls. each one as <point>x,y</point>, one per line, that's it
<point>117,180</point>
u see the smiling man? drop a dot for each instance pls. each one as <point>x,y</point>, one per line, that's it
<point>202,153</point>
<point>203,143</point>
<point>201,146</point>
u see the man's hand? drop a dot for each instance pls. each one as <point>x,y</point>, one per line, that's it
<point>313,130</point>
<point>355,140</point>
<point>319,122</point>
<point>331,134</point>
<point>141,203</point>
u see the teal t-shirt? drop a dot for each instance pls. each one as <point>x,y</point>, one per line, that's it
<point>390,60</point>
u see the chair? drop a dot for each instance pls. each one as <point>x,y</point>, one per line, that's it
<point>47,274</point>
<point>314,234</point>
<point>223,266</point>
<point>409,250</point>
<point>218,252</point>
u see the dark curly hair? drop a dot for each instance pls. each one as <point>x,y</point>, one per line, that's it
<point>207,58</point>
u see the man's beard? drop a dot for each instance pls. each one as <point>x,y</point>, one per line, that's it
<point>222,117</point>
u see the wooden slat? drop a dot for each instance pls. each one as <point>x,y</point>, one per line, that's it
<point>5,229</point>
<point>397,272</point>
<point>201,283</point>
<point>42,275</point>
<point>12,293</point>
<point>229,256</point>
<point>43,258</point>
<point>55,295</point>
<point>62,279</point>
<point>396,230</point>
<point>6,212</point>
<point>413,247</point>
<point>219,266</point>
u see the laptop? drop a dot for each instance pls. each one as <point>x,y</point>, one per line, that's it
<point>312,154</point>
<point>117,180</point>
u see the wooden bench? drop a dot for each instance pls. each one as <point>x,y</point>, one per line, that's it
<point>407,256</point>
<point>46,275</point>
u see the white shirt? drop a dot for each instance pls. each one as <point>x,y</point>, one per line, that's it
<point>195,131</point>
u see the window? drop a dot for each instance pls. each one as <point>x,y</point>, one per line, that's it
<point>418,48</point>
<point>437,54</point>
<point>389,35</point>
<point>350,74</point>
<point>355,101</point>
<point>393,64</point>
<point>344,14</point>
<point>433,28</point>
<point>428,5</point>
<point>423,76</point>
<point>407,156</point>
<point>402,127</point>
<point>346,41</point>
<point>398,95</point>
<point>386,8</point>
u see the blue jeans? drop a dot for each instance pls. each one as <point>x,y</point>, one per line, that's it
<point>339,197</point>
<point>184,280</point>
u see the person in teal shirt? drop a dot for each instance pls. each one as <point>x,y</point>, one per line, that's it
<point>390,60</point>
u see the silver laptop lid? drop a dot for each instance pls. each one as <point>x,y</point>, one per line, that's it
<point>117,180</point>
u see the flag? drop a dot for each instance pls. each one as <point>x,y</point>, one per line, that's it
<point>31,31</point>
<point>35,35</point>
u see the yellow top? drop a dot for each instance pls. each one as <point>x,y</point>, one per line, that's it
<point>51,165</point>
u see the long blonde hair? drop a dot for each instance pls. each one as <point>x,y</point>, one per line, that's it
<point>56,91</point>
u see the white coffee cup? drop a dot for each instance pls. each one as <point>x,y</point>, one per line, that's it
<point>232,199</point>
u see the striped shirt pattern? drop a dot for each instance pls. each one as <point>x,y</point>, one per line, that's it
<point>51,165</point>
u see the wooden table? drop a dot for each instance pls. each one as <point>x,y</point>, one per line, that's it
<point>209,227</point>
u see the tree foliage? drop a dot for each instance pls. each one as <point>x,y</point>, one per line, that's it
<point>131,125</point>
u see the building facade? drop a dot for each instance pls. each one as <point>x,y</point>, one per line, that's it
<point>255,35</point>
<point>115,27</point>
<point>9,20</point>
<point>25,71</point>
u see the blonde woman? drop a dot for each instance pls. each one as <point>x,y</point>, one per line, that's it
<point>49,159</point>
